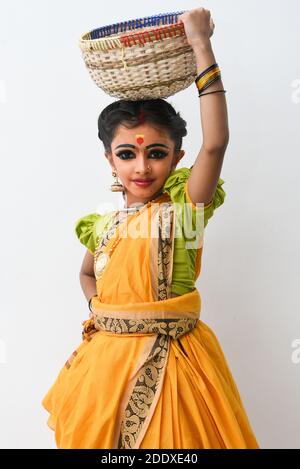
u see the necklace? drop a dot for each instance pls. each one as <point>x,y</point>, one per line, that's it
<point>138,205</point>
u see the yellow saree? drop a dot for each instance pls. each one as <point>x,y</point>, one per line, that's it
<point>148,373</point>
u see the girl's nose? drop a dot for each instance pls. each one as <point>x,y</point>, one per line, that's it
<point>142,164</point>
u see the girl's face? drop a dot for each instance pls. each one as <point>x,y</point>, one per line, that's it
<point>143,152</point>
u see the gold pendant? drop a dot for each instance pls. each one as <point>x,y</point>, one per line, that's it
<point>100,264</point>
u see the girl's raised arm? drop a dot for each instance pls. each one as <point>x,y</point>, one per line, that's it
<point>206,170</point>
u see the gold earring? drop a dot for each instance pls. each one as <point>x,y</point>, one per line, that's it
<point>116,185</point>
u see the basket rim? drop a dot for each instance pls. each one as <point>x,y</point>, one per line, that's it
<point>113,38</point>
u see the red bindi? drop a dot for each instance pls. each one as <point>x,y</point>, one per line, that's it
<point>139,138</point>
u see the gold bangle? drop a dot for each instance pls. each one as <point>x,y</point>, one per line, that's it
<point>208,76</point>
<point>208,82</point>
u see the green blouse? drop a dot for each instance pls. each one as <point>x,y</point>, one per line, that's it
<point>90,229</point>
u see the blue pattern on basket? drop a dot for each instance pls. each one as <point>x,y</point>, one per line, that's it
<point>155,20</point>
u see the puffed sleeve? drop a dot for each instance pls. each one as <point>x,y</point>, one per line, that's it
<point>90,228</point>
<point>176,186</point>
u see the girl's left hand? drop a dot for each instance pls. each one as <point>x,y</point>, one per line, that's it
<point>198,25</point>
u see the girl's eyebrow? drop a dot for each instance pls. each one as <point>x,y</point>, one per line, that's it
<point>128,145</point>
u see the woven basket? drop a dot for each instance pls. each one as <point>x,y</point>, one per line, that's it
<point>144,58</point>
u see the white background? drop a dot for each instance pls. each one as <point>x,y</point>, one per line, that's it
<point>53,171</point>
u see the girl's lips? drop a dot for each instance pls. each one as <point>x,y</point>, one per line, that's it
<point>143,183</point>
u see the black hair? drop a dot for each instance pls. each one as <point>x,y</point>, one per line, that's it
<point>157,112</point>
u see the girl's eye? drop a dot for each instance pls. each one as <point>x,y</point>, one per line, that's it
<point>153,152</point>
<point>161,153</point>
<point>123,153</point>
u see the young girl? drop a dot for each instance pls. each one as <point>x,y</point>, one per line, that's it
<point>149,373</point>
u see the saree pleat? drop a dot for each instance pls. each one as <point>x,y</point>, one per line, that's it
<point>200,406</point>
<point>149,372</point>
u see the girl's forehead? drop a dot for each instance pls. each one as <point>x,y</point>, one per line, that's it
<point>143,135</point>
<point>147,130</point>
